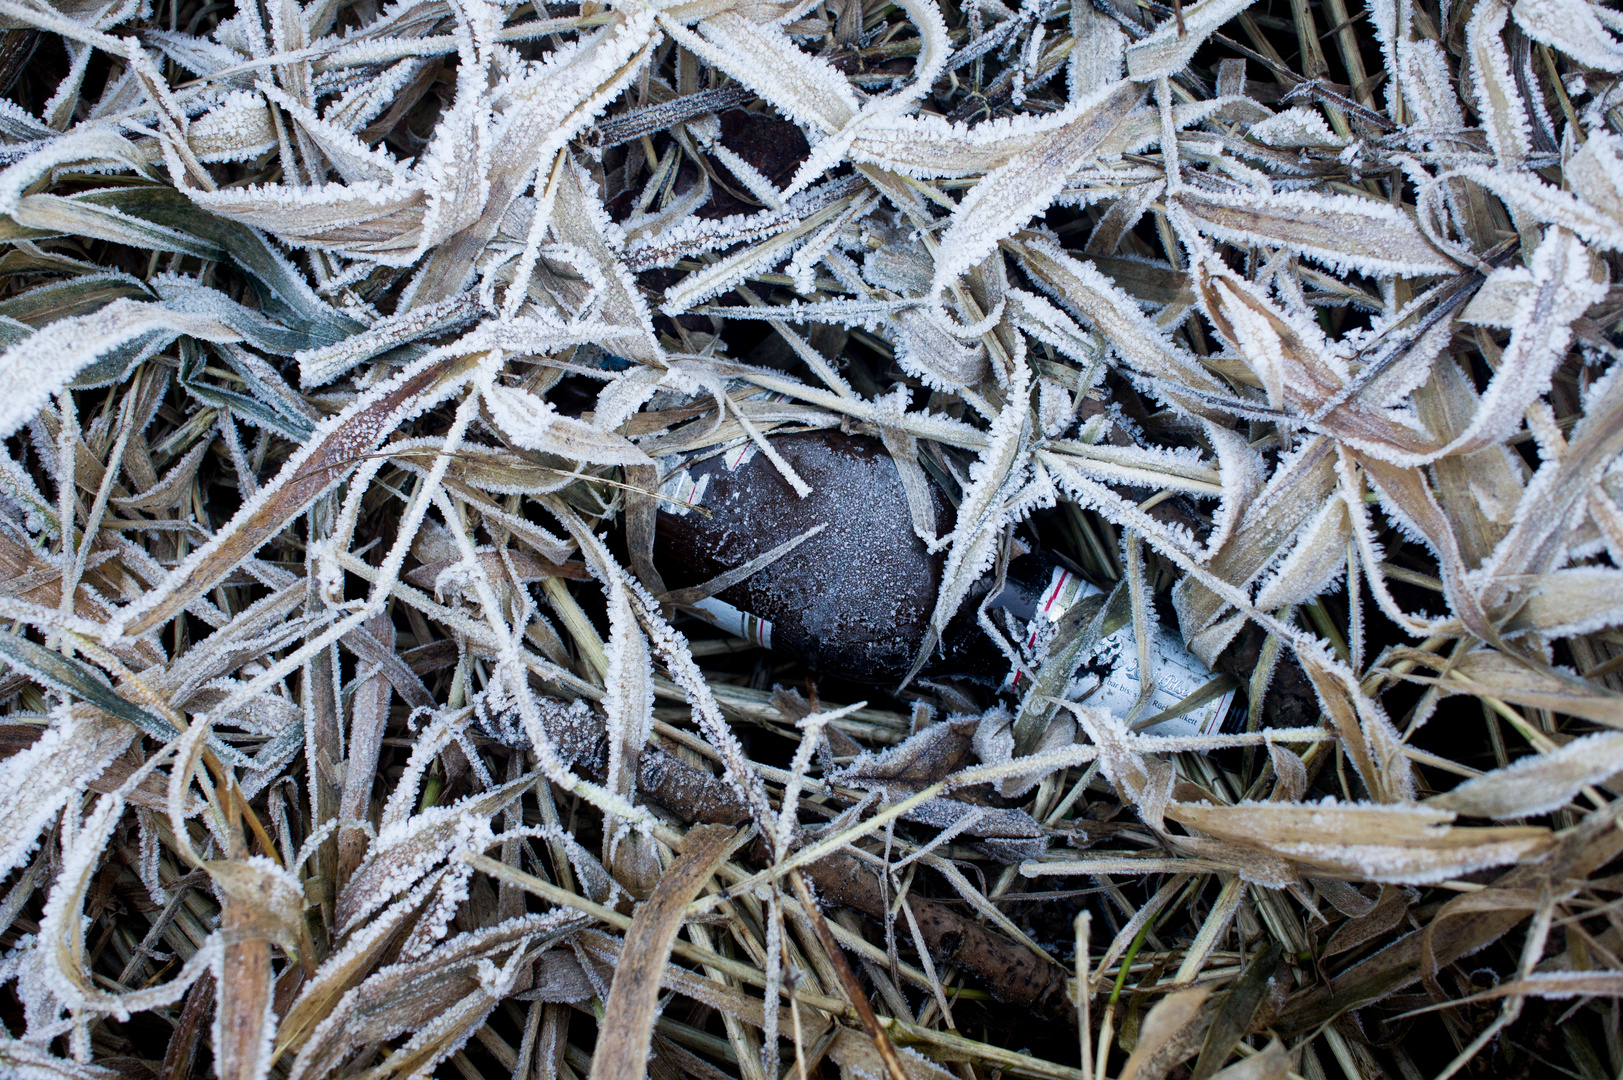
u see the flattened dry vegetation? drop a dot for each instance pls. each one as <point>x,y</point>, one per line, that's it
<point>349,351</point>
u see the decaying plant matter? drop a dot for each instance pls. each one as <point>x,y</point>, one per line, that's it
<point>350,729</point>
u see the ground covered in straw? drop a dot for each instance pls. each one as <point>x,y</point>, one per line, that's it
<point>348,352</point>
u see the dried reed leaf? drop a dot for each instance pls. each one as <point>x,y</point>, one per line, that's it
<point>1343,232</point>
<point>634,995</point>
<point>334,449</point>
<point>1377,844</point>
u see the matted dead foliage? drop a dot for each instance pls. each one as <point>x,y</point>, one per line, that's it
<point>350,730</point>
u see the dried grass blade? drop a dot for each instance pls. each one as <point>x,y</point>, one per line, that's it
<point>337,448</point>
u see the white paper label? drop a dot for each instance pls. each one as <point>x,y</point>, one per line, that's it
<point>1178,673</point>
<point>681,494</point>
<point>737,457</point>
<point>724,616</point>
<point>1064,589</point>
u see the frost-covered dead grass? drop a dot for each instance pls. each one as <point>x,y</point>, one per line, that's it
<point>350,728</point>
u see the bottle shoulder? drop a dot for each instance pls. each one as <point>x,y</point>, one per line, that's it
<point>854,597</point>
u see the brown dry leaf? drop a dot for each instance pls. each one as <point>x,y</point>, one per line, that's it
<point>1372,843</point>
<point>1339,231</point>
<point>1170,1034</point>
<point>1489,673</point>
<point>409,846</point>
<point>1385,915</point>
<point>453,990</point>
<point>1272,1063</point>
<point>634,995</point>
<point>244,1020</point>
<point>854,1053</point>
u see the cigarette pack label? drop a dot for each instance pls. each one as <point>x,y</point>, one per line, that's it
<point>724,616</point>
<point>1177,676</point>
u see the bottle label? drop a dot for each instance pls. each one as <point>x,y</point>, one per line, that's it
<point>724,616</point>
<point>1064,589</point>
<point>1178,674</point>
<point>680,493</point>
<point>737,457</point>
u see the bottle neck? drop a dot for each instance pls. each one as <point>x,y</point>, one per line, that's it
<point>1037,589</point>
<point>1037,586</point>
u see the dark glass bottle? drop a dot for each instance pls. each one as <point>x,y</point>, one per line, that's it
<point>855,600</point>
